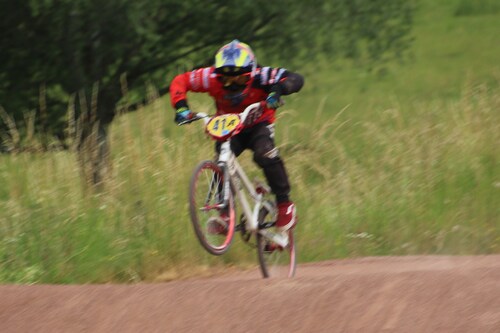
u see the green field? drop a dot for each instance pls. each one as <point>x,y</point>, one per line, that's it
<point>402,160</point>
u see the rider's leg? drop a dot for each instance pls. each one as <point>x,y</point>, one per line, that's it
<point>266,155</point>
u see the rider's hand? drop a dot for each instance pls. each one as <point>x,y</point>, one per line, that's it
<point>273,100</point>
<point>183,114</point>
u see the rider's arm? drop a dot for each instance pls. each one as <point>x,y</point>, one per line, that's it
<point>290,83</point>
<point>178,91</point>
<point>280,80</point>
<point>197,81</point>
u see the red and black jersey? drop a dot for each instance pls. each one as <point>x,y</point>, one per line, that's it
<point>266,79</point>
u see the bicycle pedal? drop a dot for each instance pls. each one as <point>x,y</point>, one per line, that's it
<point>245,236</point>
<point>271,247</point>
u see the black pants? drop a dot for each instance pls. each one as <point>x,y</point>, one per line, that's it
<point>260,139</point>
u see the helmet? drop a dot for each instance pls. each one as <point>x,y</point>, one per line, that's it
<point>235,66</point>
<point>235,58</point>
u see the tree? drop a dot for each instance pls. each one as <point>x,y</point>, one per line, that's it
<point>54,49</point>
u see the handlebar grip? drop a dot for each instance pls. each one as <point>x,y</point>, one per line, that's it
<point>189,121</point>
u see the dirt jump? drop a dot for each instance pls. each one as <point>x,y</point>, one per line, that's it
<point>382,294</point>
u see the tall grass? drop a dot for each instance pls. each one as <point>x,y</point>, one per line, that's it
<point>421,184</point>
<point>400,184</point>
<point>372,174</point>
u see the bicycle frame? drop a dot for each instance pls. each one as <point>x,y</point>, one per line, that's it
<point>220,187</point>
<point>241,186</point>
<point>237,181</point>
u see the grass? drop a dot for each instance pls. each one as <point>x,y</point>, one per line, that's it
<point>422,186</point>
<point>403,161</point>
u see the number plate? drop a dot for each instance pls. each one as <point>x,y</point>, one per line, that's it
<point>222,126</point>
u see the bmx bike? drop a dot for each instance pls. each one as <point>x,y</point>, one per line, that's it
<point>219,186</point>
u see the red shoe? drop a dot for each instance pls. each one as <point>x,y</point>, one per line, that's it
<point>286,216</point>
<point>218,225</point>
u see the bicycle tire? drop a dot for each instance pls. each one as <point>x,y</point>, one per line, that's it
<point>275,261</point>
<point>203,198</point>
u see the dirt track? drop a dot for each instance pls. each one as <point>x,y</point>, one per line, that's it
<point>402,294</point>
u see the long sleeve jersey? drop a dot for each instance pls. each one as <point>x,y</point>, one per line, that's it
<point>266,80</point>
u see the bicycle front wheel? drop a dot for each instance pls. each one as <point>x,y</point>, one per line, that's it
<point>213,223</point>
<point>275,261</point>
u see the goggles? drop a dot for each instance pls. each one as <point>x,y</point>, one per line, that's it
<point>240,80</point>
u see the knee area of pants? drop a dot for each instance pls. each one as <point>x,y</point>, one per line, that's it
<point>268,158</point>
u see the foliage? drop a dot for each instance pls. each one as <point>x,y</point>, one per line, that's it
<point>478,7</point>
<point>52,50</point>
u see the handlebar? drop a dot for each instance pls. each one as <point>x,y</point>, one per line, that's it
<point>243,115</point>
<point>197,116</point>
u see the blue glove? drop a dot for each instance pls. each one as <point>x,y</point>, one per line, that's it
<point>273,100</point>
<point>183,114</point>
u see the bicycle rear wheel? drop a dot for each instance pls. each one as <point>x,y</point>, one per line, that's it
<point>275,261</point>
<point>213,225</point>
